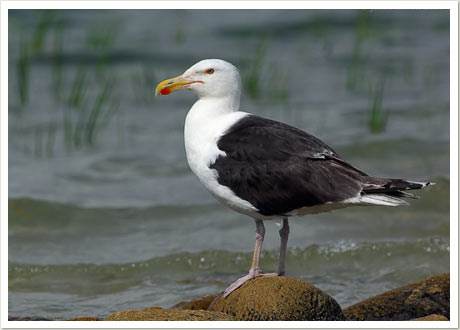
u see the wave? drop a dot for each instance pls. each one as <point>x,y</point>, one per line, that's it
<point>339,260</point>
<point>51,211</point>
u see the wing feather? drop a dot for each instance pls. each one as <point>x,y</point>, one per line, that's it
<point>279,168</point>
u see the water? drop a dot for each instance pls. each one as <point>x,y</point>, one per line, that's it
<point>104,213</point>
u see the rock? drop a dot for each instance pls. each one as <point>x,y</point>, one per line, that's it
<point>161,314</point>
<point>196,304</point>
<point>430,296</point>
<point>432,317</point>
<point>27,318</point>
<point>278,298</point>
<point>86,318</point>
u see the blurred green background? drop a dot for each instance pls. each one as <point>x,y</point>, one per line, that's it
<point>104,213</point>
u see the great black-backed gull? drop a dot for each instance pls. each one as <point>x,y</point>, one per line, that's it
<point>267,169</point>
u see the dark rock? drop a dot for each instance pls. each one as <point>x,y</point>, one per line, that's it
<point>430,296</point>
<point>196,304</point>
<point>432,317</point>
<point>27,318</point>
<point>161,314</point>
<point>86,318</point>
<point>278,299</point>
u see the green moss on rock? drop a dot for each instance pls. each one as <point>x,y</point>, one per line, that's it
<point>196,304</point>
<point>86,318</point>
<point>161,314</point>
<point>278,299</point>
<point>432,317</point>
<point>430,296</point>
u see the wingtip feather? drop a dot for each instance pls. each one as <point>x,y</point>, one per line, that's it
<point>384,200</point>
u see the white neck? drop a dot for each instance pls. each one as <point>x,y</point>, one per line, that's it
<point>206,121</point>
<point>217,105</point>
<point>206,113</point>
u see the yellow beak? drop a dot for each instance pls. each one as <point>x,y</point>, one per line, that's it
<point>171,85</point>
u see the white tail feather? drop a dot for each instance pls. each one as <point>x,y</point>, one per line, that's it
<point>423,184</point>
<point>384,200</point>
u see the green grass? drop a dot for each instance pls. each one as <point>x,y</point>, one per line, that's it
<point>28,47</point>
<point>378,117</point>
<point>44,25</point>
<point>38,139</point>
<point>50,140</point>
<point>179,35</point>
<point>44,139</point>
<point>252,76</point>
<point>84,110</point>
<point>362,26</point>
<point>318,26</point>
<point>408,70</point>
<point>79,86</point>
<point>278,84</point>
<point>101,40</point>
<point>67,128</point>
<point>57,54</point>
<point>88,120</point>
<point>84,96</point>
<point>256,79</point>
<point>102,99</point>
<point>23,71</point>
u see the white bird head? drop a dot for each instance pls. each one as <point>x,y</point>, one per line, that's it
<point>211,78</point>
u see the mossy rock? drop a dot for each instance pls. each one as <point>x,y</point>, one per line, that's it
<point>196,304</point>
<point>27,318</point>
<point>161,314</point>
<point>430,296</point>
<point>86,318</point>
<point>432,317</point>
<point>278,299</point>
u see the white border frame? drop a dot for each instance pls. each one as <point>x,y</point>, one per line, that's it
<point>449,5</point>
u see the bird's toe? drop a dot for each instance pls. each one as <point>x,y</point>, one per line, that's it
<point>253,273</point>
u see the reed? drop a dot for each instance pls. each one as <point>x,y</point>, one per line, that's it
<point>100,41</point>
<point>23,71</point>
<point>38,139</point>
<point>83,96</point>
<point>362,26</point>
<point>28,47</point>
<point>252,77</point>
<point>57,59</point>
<point>67,128</point>
<point>279,90</point>
<point>79,86</point>
<point>50,140</point>
<point>40,32</point>
<point>77,128</point>
<point>408,69</point>
<point>181,22</point>
<point>101,101</point>
<point>378,117</point>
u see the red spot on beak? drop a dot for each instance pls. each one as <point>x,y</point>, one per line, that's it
<point>165,91</point>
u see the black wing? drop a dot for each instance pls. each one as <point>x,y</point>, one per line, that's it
<point>279,168</point>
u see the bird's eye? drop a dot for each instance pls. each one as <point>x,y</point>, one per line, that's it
<point>210,71</point>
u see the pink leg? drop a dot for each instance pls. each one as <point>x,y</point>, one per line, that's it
<point>255,270</point>
<point>284,234</point>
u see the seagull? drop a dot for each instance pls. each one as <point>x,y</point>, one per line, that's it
<point>266,169</point>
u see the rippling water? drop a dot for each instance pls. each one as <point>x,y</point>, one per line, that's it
<point>104,213</point>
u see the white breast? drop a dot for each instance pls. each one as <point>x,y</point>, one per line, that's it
<point>206,122</point>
